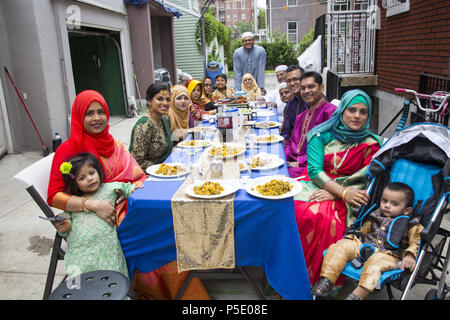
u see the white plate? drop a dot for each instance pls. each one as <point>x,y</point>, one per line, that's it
<point>228,186</point>
<point>278,139</point>
<point>275,161</point>
<point>199,129</point>
<point>252,183</point>
<point>275,124</point>
<point>199,144</point>
<point>152,170</point>
<point>230,144</point>
<point>249,123</point>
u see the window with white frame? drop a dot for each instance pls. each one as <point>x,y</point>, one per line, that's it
<point>243,4</point>
<point>243,16</point>
<point>292,31</point>
<point>291,3</point>
<point>228,6</point>
<point>234,17</point>
<point>228,18</point>
<point>234,5</point>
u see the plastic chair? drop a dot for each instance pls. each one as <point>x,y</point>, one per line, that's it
<point>35,180</point>
<point>95,285</point>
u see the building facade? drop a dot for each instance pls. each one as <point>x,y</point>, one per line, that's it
<point>230,12</point>
<point>295,18</point>
<point>55,49</point>
<point>379,45</point>
<point>413,48</point>
<point>189,57</point>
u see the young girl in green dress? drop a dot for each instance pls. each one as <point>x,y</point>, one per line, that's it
<point>92,244</point>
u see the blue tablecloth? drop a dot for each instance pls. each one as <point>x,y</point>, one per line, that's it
<point>266,233</point>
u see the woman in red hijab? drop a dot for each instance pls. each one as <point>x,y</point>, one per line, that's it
<point>89,132</point>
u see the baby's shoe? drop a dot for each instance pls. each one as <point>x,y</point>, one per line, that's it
<point>352,296</point>
<point>322,287</point>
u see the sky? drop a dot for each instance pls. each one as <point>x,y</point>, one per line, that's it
<point>261,3</point>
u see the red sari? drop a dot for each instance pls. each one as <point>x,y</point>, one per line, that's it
<point>321,224</point>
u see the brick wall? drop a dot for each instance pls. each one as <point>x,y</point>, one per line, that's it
<point>413,42</point>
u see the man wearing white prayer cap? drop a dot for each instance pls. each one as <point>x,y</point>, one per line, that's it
<point>273,98</point>
<point>249,58</point>
<point>280,71</point>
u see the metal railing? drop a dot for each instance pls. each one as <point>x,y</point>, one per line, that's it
<point>334,90</point>
<point>352,39</point>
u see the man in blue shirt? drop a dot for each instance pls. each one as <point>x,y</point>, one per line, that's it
<point>249,58</point>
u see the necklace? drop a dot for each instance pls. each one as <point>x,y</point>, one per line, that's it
<point>158,124</point>
<point>336,167</point>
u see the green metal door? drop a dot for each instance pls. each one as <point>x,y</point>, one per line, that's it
<point>97,66</point>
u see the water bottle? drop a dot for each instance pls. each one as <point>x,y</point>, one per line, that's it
<point>56,141</point>
<point>216,168</point>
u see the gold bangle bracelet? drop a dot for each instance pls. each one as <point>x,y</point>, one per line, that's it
<point>344,193</point>
<point>83,202</point>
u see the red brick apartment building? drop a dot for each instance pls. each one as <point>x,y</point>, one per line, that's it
<point>380,45</point>
<point>230,12</point>
<point>413,51</point>
<point>413,42</point>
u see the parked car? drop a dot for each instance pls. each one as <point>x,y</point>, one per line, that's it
<point>162,74</point>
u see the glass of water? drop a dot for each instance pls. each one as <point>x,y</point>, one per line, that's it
<point>246,172</point>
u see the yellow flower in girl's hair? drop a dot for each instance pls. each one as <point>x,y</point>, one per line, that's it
<point>65,167</point>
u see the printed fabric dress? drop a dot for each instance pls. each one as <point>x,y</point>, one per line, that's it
<point>149,143</point>
<point>92,243</point>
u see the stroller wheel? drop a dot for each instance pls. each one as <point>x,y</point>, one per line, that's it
<point>431,295</point>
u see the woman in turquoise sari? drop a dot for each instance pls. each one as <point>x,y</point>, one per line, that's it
<point>339,151</point>
<point>151,138</point>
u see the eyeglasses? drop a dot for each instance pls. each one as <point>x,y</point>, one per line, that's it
<point>248,40</point>
<point>292,80</point>
<point>207,85</point>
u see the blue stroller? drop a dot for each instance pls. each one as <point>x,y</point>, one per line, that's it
<point>418,156</point>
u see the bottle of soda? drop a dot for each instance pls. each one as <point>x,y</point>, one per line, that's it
<point>56,141</point>
<point>224,124</point>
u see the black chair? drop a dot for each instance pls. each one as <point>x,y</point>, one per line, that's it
<point>95,285</point>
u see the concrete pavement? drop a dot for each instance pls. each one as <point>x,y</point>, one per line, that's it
<point>26,240</point>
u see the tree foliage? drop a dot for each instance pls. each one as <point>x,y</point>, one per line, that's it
<point>261,18</point>
<point>306,42</point>
<point>279,50</point>
<point>241,27</point>
<point>215,29</point>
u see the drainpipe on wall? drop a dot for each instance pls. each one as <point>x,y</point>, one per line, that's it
<point>6,127</point>
<point>63,66</point>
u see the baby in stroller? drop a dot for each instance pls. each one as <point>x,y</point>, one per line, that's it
<point>388,235</point>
